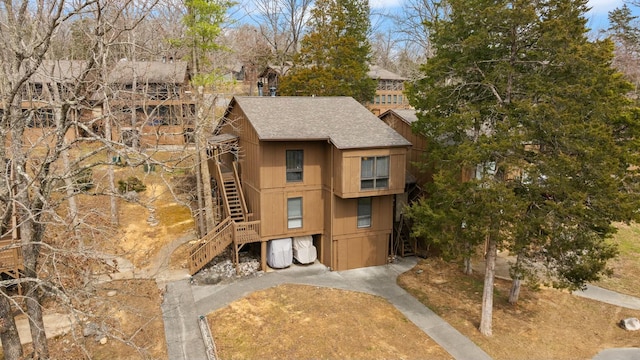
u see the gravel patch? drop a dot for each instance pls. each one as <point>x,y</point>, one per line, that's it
<point>222,270</point>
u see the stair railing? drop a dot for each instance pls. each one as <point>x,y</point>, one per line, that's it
<point>223,191</point>
<point>211,245</point>
<point>243,203</point>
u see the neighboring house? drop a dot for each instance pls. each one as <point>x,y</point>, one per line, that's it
<point>48,86</point>
<point>389,93</point>
<point>150,101</point>
<point>401,121</point>
<point>324,167</point>
<point>268,79</point>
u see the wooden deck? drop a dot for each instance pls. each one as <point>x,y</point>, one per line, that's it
<point>11,257</point>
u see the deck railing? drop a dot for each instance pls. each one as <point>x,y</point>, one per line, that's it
<point>246,232</point>
<point>10,257</point>
<point>211,245</point>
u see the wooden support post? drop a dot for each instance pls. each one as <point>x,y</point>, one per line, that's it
<point>263,255</point>
<point>237,258</point>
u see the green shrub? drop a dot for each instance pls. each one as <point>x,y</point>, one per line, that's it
<point>131,184</point>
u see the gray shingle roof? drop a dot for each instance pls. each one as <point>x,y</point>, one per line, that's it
<point>342,120</point>
<point>407,115</point>
<point>378,73</point>
<point>58,71</point>
<point>153,72</point>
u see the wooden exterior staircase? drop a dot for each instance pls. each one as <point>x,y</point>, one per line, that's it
<point>235,229</point>
<point>406,244</point>
<point>11,261</point>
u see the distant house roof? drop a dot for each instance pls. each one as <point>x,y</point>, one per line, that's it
<point>58,71</point>
<point>152,72</point>
<point>279,70</point>
<point>407,115</point>
<point>341,120</point>
<point>378,73</point>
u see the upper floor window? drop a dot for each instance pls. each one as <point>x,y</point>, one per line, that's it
<point>374,172</point>
<point>294,165</point>
<point>364,212</point>
<point>294,213</point>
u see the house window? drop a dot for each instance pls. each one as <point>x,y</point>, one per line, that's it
<point>377,99</point>
<point>374,172</point>
<point>294,165</point>
<point>294,213</point>
<point>364,212</point>
<point>400,101</point>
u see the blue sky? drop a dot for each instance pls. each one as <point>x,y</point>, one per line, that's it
<point>597,16</point>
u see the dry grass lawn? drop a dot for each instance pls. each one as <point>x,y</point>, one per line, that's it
<point>308,322</point>
<point>627,264</point>
<point>546,324</point>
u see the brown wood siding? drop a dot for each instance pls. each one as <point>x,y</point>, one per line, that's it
<point>355,247</point>
<point>416,153</point>
<point>347,168</point>
<point>275,190</point>
<point>274,213</point>
<point>273,166</point>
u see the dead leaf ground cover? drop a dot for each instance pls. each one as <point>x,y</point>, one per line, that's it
<point>308,322</point>
<point>545,324</point>
<point>134,321</point>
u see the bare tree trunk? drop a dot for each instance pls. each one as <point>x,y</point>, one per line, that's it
<point>206,187</point>
<point>113,201</point>
<point>11,347</point>
<point>467,265</point>
<point>36,322</point>
<point>201,221</point>
<point>487,292</point>
<point>467,259</point>
<point>514,294</point>
<point>30,252</point>
<point>204,162</point>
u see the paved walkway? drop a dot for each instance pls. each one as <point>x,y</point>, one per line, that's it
<point>610,297</point>
<point>380,281</point>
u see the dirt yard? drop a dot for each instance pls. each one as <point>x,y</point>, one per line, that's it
<point>133,319</point>
<point>308,322</point>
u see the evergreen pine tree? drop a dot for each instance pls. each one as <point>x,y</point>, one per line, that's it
<point>334,55</point>
<point>530,131</point>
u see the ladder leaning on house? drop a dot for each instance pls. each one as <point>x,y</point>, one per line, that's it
<point>234,229</point>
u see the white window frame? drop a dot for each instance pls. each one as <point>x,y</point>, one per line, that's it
<point>294,218</point>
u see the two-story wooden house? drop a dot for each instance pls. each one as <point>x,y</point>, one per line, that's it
<point>324,167</point>
<point>44,92</point>
<point>149,102</point>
